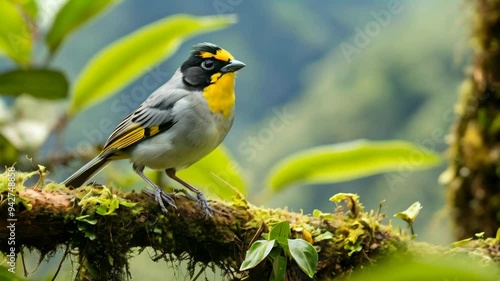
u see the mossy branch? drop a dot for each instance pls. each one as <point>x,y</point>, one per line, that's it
<point>106,225</point>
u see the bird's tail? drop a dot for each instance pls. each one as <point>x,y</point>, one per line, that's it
<point>81,176</point>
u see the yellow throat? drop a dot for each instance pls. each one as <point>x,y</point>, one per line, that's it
<point>220,94</point>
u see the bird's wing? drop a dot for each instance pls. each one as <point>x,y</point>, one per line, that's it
<point>152,117</point>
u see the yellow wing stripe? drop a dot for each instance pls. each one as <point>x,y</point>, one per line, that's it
<point>132,137</point>
<point>127,139</point>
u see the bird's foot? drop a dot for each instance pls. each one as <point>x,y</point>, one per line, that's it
<point>160,197</point>
<point>200,201</point>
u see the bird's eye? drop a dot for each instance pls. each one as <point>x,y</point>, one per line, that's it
<point>208,64</point>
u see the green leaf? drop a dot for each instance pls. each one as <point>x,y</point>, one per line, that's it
<point>90,234</point>
<point>87,218</point>
<point>461,243</point>
<point>280,232</point>
<point>348,161</point>
<point>479,235</point>
<point>279,265</point>
<point>126,203</point>
<point>304,255</point>
<point>29,7</point>
<point>126,59</point>
<point>351,200</point>
<point>15,35</point>
<point>409,215</point>
<point>70,17</point>
<point>39,83</point>
<point>257,253</point>
<point>216,174</point>
<point>5,274</point>
<point>324,236</point>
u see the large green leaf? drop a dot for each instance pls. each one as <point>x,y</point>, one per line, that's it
<point>430,268</point>
<point>72,16</point>
<point>216,174</point>
<point>348,161</point>
<point>15,35</point>
<point>40,83</point>
<point>126,59</point>
<point>304,254</point>
<point>257,253</point>
<point>29,8</point>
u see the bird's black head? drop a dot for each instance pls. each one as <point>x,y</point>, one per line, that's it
<point>207,64</point>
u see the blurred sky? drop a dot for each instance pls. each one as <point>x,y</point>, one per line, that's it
<point>328,71</point>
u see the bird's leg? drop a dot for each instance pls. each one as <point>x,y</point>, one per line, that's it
<point>157,192</point>
<point>200,198</point>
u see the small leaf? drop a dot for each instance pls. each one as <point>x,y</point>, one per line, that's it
<point>70,17</point>
<point>279,265</point>
<point>257,253</point>
<point>115,203</point>
<point>462,242</point>
<point>90,234</point>
<point>216,174</point>
<point>16,40</point>
<point>88,219</point>
<point>348,161</point>
<point>39,83</point>
<point>101,210</point>
<point>324,236</point>
<point>479,235</point>
<point>411,213</point>
<point>351,200</point>
<point>280,232</point>
<point>126,59</point>
<point>304,255</point>
<point>339,197</point>
<point>319,214</point>
<point>126,203</point>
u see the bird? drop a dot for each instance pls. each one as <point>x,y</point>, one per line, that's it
<point>178,124</point>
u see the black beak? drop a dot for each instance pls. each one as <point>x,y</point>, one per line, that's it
<point>233,66</point>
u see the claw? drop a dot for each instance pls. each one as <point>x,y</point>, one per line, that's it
<point>200,201</point>
<point>160,197</point>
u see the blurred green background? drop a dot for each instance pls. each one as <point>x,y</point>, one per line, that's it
<point>317,73</point>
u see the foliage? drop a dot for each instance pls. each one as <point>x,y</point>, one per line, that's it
<point>432,267</point>
<point>347,161</point>
<point>39,83</point>
<point>410,214</point>
<point>15,38</point>
<point>278,248</point>
<point>70,17</point>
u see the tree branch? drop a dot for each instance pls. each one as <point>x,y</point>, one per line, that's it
<point>105,225</point>
<point>54,215</point>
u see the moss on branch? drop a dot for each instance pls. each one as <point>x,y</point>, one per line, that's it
<point>106,225</point>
